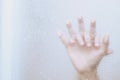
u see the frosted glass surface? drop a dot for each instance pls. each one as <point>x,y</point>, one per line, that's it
<point>0,35</point>
<point>39,54</point>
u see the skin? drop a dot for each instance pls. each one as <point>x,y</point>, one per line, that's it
<point>85,49</point>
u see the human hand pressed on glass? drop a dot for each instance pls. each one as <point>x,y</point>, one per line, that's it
<point>85,49</point>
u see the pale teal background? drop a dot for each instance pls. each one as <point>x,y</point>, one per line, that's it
<point>38,52</point>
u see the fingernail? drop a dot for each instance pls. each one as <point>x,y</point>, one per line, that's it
<point>97,45</point>
<point>93,21</point>
<point>59,34</point>
<point>89,45</point>
<point>68,22</point>
<point>82,43</point>
<point>110,51</point>
<point>72,42</point>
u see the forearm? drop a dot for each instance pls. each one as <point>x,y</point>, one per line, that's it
<point>88,76</point>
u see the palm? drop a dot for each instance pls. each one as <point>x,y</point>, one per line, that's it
<point>83,58</point>
<point>85,50</point>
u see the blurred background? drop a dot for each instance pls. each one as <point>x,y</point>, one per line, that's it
<point>31,49</point>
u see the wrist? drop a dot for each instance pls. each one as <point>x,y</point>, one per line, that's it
<point>90,75</point>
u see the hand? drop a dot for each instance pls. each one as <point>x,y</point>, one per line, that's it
<point>85,49</point>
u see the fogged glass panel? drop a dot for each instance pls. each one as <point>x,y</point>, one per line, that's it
<point>0,34</point>
<point>39,54</point>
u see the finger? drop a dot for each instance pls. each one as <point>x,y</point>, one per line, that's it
<point>97,42</point>
<point>104,48</point>
<point>87,40</point>
<point>109,51</point>
<point>81,26</point>
<point>80,40</point>
<point>105,44</point>
<point>63,39</point>
<point>72,42</point>
<point>70,29</point>
<point>92,31</point>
